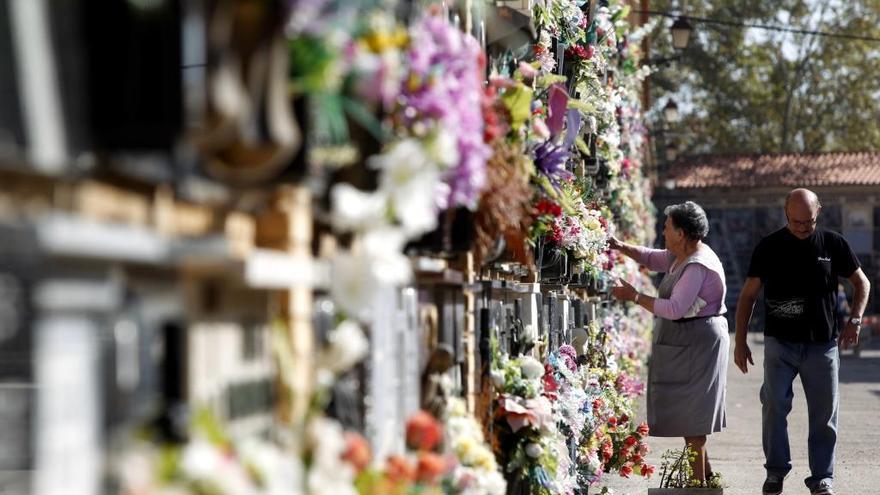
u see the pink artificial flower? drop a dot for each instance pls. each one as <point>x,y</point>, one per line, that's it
<point>540,128</point>
<point>527,70</point>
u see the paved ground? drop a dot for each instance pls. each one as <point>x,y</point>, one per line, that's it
<point>736,452</point>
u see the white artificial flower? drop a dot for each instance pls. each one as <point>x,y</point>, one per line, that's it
<point>534,450</point>
<point>376,261</point>
<point>531,368</point>
<point>280,473</point>
<point>328,474</point>
<point>497,379</point>
<point>495,484</point>
<point>382,248</point>
<point>346,346</point>
<point>136,472</point>
<point>201,459</point>
<point>411,179</point>
<point>592,124</point>
<point>353,209</point>
<point>443,148</point>
<point>415,203</point>
<point>352,285</point>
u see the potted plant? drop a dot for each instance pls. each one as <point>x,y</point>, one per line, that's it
<point>677,477</point>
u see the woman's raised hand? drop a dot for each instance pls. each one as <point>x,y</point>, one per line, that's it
<point>623,290</point>
<point>614,242</point>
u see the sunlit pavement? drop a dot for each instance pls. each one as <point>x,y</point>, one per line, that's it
<point>736,452</point>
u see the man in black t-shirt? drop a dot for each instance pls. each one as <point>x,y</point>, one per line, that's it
<point>799,266</point>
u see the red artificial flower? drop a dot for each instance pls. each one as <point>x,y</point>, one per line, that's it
<point>647,470</point>
<point>430,467</point>
<point>581,52</point>
<point>548,207</point>
<point>597,404</point>
<point>399,469</point>
<point>556,236</point>
<point>643,429</point>
<point>607,451</point>
<point>637,459</point>
<point>630,441</point>
<point>623,418</point>
<point>550,385</point>
<point>423,432</point>
<point>626,470</point>
<point>357,451</point>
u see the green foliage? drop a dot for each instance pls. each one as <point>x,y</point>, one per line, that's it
<point>518,102</point>
<point>676,471</point>
<point>752,90</point>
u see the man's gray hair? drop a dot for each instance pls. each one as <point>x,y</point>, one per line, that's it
<point>690,218</point>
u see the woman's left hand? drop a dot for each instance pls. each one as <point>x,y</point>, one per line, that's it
<point>623,291</point>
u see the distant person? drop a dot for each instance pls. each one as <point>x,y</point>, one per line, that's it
<point>687,374</point>
<point>798,266</point>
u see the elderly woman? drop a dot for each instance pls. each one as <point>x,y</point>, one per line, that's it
<point>687,376</point>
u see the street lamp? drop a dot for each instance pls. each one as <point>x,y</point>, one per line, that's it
<point>671,152</point>
<point>670,112</point>
<point>681,33</point>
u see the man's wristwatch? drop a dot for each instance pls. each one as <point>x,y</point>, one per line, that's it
<point>856,320</point>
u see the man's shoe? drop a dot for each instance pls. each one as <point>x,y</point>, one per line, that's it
<point>823,488</point>
<point>773,485</point>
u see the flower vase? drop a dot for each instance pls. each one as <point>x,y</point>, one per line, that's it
<point>517,485</point>
<point>603,175</point>
<point>454,234</point>
<point>552,261</point>
<point>591,162</point>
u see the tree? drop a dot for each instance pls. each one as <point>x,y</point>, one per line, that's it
<point>748,90</point>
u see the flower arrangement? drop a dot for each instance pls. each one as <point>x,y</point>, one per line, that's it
<point>419,470</point>
<point>210,463</point>
<point>524,424</point>
<point>476,472</point>
<point>676,471</point>
<point>442,93</point>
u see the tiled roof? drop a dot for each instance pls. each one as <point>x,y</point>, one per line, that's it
<point>776,170</point>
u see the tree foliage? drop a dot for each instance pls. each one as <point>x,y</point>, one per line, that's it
<point>747,90</point>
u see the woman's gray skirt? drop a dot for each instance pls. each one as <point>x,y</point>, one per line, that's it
<point>687,377</point>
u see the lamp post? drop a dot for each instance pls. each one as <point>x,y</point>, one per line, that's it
<point>670,112</point>
<point>681,34</point>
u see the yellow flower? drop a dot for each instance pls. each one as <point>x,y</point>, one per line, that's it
<point>485,460</point>
<point>465,449</point>
<point>379,41</point>
<point>592,223</point>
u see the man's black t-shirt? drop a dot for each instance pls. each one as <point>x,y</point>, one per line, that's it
<point>800,283</point>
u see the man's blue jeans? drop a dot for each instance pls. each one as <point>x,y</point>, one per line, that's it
<point>818,366</point>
